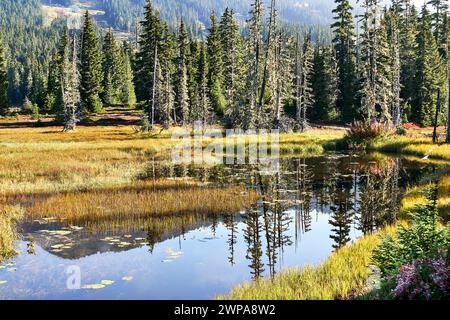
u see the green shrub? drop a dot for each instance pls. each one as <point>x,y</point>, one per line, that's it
<point>360,134</point>
<point>401,131</point>
<point>423,238</point>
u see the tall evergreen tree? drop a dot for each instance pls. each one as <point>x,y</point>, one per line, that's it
<point>182,92</point>
<point>165,95</point>
<point>215,62</point>
<point>430,75</point>
<point>393,19</point>
<point>234,69</point>
<point>112,70</point>
<point>91,67</point>
<point>269,81</point>
<point>202,106</point>
<point>54,102</point>
<point>376,89</point>
<point>70,82</point>
<point>305,94</point>
<point>408,50</point>
<point>344,48</point>
<point>148,75</point>
<point>254,60</point>
<point>127,91</point>
<point>324,83</point>
<point>4,101</point>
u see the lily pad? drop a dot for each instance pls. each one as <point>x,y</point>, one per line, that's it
<point>94,286</point>
<point>3,281</point>
<point>127,278</point>
<point>106,282</point>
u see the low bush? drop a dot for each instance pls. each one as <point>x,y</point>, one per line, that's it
<point>361,133</point>
<point>414,262</point>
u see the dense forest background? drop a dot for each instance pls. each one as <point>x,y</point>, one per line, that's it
<point>254,64</point>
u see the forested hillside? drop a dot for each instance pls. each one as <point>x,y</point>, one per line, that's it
<point>122,13</point>
<point>393,69</point>
<point>29,46</point>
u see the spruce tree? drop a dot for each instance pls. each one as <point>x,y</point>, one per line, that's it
<point>127,91</point>
<point>305,94</point>
<point>202,106</point>
<point>441,35</point>
<point>182,92</point>
<point>234,69</point>
<point>376,87</point>
<point>165,96</point>
<point>147,77</point>
<point>4,102</point>
<point>112,70</point>
<point>393,19</point>
<point>70,82</point>
<point>385,59</point>
<point>269,80</point>
<point>90,67</point>
<point>254,60</point>
<point>344,48</point>
<point>324,84</point>
<point>54,100</point>
<point>215,63</point>
<point>430,74</point>
<point>408,50</point>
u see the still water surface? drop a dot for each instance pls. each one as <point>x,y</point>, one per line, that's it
<point>308,209</point>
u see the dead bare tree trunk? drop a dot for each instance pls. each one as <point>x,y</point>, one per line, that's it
<point>438,107</point>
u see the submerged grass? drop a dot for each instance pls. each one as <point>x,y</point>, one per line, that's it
<point>9,216</point>
<point>336,278</point>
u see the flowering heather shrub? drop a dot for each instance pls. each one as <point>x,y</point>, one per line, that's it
<point>415,263</point>
<point>426,278</point>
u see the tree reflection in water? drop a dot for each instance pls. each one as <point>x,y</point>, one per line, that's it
<point>362,194</point>
<point>353,193</point>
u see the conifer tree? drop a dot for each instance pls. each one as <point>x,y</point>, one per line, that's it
<point>430,73</point>
<point>269,80</point>
<point>386,90</point>
<point>182,92</point>
<point>90,67</point>
<point>4,101</point>
<point>70,83</point>
<point>215,63</point>
<point>393,33</point>
<point>408,50</point>
<point>112,70</point>
<point>148,74</point>
<point>202,107</point>
<point>165,94</point>
<point>283,77</point>
<point>192,71</point>
<point>305,94</point>
<point>441,33</point>
<point>234,69</point>
<point>344,48</point>
<point>254,60</point>
<point>376,89</point>
<point>127,93</point>
<point>324,83</point>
